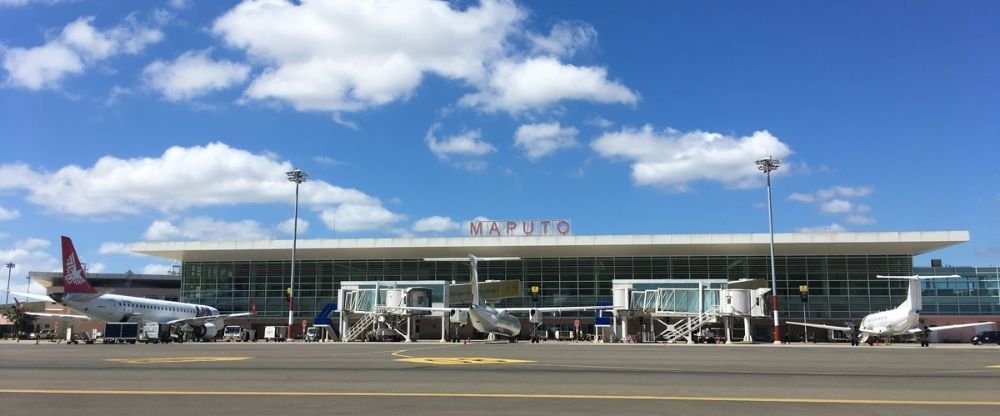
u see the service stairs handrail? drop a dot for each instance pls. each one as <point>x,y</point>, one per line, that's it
<point>683,328</point>
<point>360,326</point>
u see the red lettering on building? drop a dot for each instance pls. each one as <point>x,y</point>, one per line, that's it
<point>562,227</point>
<point>511,226</point>
<point>494,228</point>
<point>545,227</point>
<point>476,228</point>
<point>528,227</point>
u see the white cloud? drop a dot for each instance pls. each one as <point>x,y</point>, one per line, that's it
<point>286,226</point>
<point>832,228</point>
<point>33,243</point>
<point>326,160</point>
<point>358,217</point>
<point>836,200</point>
<point>193,74</point>
<point>600,122</point>
<point>537,83</point>
<point>844,191</point>
<point>800,197</point>
<point>157,269</point>
<point>538,140</point>
<point>8,214</point>
<point>859,220</point>
<point>564,39</point>
<point>27,258</point>
<point>465,144</point>
<point>113,247</point>
<point>836,206</point>
<point>205,228</point>
<point>19,3</point>
<point>435,224</point>
<point>180,4</point>
<point>350,55</point>
<point>673,159</point>
<point>182,177</point>
<point>79,45</point>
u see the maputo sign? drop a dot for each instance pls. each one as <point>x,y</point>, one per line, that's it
<point>518,228</point>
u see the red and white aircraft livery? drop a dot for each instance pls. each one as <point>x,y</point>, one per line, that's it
<point>80,296</point>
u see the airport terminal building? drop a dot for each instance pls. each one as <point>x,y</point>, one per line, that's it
<point>573,270</point>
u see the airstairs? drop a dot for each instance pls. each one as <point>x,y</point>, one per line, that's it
<point>361,326</point>
<point>684,327</point>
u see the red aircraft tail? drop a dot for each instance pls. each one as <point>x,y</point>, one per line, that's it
<point>74,276</point>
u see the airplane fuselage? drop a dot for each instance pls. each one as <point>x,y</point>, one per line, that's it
<point>487,319</point>
<point>892,322</point>
<point>119,308</point>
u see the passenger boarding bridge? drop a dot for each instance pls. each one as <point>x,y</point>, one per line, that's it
<point>684,307</point>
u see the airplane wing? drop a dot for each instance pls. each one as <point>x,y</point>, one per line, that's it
<point>58,315</point>
<point>557,308</point>
<point>426,308</point>
<point>44,298</point>
<point>943,327</point>
<point>839,328</point>
<point>198,320</point>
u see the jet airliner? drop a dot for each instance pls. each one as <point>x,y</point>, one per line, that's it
<point>80,296</point>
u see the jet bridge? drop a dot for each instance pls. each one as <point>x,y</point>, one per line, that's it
<point>684,307</point>
<point>372,309</point>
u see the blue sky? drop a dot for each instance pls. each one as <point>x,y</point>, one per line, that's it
<point>128,121</point>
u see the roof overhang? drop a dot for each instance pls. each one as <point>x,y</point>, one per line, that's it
<point>755,244</point>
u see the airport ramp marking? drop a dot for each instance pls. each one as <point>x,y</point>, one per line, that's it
<point>461,360</point>
<point>174,360</point>
<point>543,396</point>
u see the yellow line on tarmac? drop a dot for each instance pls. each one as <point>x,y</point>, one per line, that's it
<point>506,396</point>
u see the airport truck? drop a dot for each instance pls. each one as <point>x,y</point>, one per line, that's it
<point>235,333</point>
<point>121,332</point>
<point>320,333</point>
<point>275,333</point>
<point>155,333</point>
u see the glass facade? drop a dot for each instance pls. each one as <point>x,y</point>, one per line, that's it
<point>977,292</point>
<point>840,286</point>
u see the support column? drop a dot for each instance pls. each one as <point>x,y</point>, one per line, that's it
<point>729,329</point>
<point>444,328</point>
<point>746,330</point>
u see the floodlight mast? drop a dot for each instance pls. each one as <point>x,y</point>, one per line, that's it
<point>298,176</point>
<point>9,266</point>
<point>768,165</point>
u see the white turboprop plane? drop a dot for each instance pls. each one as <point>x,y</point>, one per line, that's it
<point>490,320</point>
<point>901,320</point>
<point>80,296</point>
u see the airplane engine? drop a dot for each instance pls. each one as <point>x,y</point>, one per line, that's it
<point>459,317</point>
<point>536,316</point>
<point>207,330</point>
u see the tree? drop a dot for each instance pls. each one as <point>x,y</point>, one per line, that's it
<point>19,318</point>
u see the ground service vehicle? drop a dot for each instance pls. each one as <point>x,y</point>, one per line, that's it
<point>986,337</point>
<point>275,333</point>
<point>320,333</point>
<point>235,333</point>
<point>121,332</point>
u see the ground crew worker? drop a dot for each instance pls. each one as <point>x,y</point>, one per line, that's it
<point>925,337</point>
<point>855,337</point>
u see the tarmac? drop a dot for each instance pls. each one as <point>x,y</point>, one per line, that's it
<point>428,378</point>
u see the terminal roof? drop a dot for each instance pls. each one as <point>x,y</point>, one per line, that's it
<point>750,244</point>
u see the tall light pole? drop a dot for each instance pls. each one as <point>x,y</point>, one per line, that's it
<point>297,176</point>
<point>9,266</point>
<point>29,283</point>
<point>767,166</point>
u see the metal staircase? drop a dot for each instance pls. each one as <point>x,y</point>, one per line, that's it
<point>683,328</point>
<point>360,326</point>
